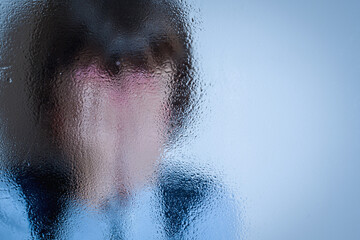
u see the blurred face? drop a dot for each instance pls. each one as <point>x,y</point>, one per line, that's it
<point>111,127</point>
<point>75,112</point>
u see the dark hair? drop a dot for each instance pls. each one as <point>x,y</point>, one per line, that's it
<point>116,29</point>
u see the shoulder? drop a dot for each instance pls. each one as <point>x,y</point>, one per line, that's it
<point>195,203</point>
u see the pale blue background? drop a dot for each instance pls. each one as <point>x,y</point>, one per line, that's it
<point>283,115</point>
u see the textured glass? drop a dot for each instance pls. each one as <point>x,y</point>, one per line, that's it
<point>179,119</point>
<point>96,97</point>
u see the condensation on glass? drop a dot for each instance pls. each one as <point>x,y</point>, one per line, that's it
<point>93,94</point>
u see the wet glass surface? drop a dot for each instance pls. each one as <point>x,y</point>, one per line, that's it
<point>95,97</point>
<point>134,119</point>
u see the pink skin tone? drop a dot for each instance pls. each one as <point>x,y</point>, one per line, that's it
<point>112,127</point>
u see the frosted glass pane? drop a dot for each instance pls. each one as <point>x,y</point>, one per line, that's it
<point>134,119</point>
